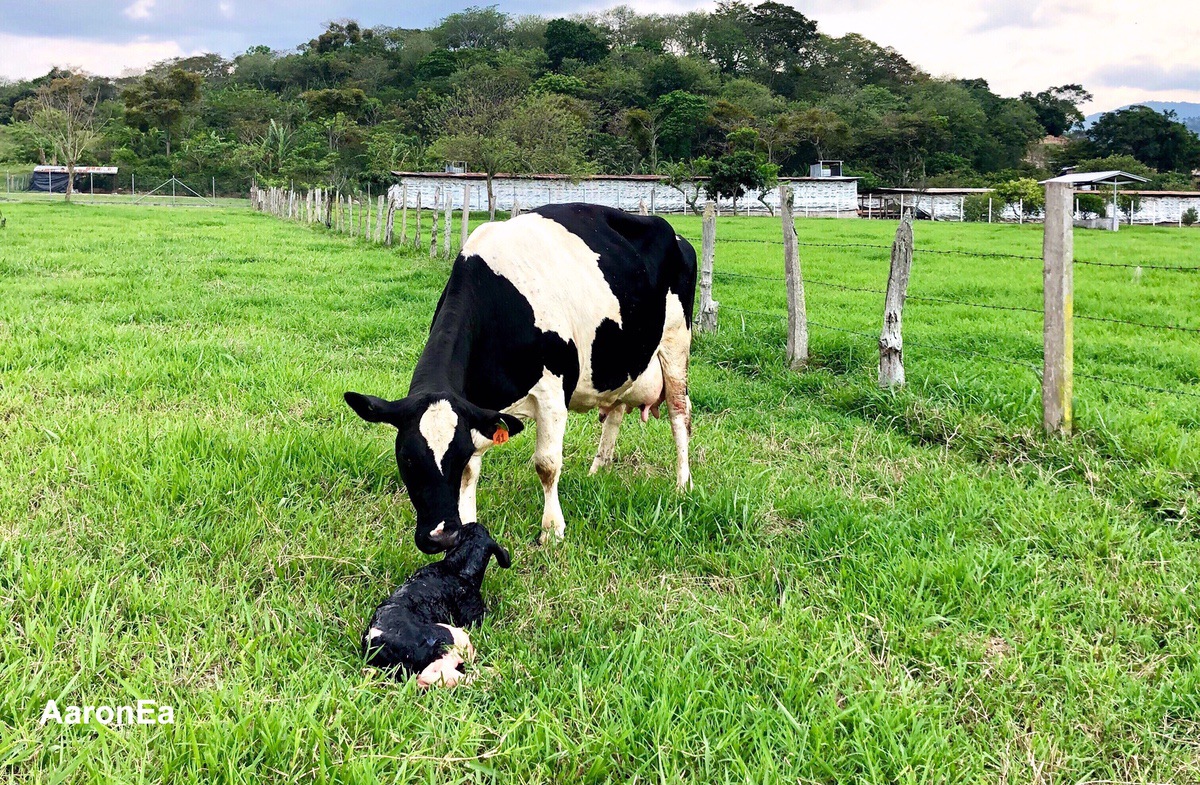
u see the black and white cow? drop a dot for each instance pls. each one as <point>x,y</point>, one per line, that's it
<point>568,307</point>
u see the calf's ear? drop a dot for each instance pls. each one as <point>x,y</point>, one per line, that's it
<point>374,409</point>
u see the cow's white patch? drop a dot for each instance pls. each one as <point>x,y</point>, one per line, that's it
<point>557,273</point>
<point>437,426</point>
<point>374,633</point>
<point>481,442</point>
<point>437,530</point>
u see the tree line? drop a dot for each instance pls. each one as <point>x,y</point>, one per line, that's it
<point>729,99</point>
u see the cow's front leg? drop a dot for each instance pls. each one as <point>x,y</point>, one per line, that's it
<point>608,437</point>
<point>466,492</point>
<point>551,428</point>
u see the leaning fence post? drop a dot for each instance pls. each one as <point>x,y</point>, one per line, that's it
<point>797,338</point>
<point>1058,280</point>
<point>390,221</point>
<point>708,244</point>
<point>404,214</point>
<point>891,341</point>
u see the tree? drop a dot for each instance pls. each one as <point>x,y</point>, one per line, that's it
<point>1154,138</point>
<point>741,169</point>
<point>575,40</point>
<point>679,115</point>
<point>475,28</point>
<point>1024,192</point>
<point>1057,108</point>
<point>688,178</point>
<point>64,114</point>
<point>474,122</point>
<point>162,102</point>
<point>823,129</point>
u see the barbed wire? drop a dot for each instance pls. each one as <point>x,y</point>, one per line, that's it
<point>1139,266</point>
<point>951,301</point>
<point>972,353</point>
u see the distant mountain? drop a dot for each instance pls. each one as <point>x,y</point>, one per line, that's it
<point>1186,113</point>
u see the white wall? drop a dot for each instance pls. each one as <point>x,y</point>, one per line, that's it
<point>813,197</point>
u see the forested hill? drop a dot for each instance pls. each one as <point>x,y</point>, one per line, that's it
<point>758,90</point>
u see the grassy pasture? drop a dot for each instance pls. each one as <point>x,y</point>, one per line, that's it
<point>863,586</point>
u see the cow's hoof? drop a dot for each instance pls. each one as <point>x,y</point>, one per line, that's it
<point>549,538</point>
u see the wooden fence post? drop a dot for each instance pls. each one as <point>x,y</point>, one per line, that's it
<point>417,220</point>
<point>891,340</point>
<point>516,209</point>
<point>433,231</point>
<point>465,229</point>
<point>797,338</point>
<point>642,207</point>
<point>404,214</point>
<point>708,245</point>
<point>391,219</point>
<point>379,219</point>
<point>447,220</point>
<point>1058,281</point>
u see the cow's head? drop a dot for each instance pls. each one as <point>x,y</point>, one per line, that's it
<point>436,435</point>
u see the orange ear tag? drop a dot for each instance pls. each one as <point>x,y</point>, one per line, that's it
<point>500,436</point>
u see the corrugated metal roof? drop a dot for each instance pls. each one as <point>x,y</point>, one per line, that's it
<point>1111,177</point>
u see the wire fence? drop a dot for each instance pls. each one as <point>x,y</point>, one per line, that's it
<point>375,219</point>
<point>923,345</point>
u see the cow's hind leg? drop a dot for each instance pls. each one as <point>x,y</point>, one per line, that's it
<point>608,437</point>
<point>548,460</point>
<point>673,355</point>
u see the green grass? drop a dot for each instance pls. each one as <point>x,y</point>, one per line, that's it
<point>863,586</point>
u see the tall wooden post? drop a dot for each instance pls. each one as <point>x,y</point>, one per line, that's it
<point>465,229</point>
<point>433,231</point>
<point>708,246</point>
<point>891,341</point>
<point>797,338</point>
<point>379,218</point>
<point>447,220</point>
<point>1058,280</point>
<point>404,214</point>
<point>642,207</point>
<point>417,220</point>
<point>391,219</point>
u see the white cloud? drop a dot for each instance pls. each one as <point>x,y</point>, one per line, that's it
<point>139,9</point>
<point>30,56</point>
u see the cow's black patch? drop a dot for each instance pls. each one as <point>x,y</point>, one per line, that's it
<point>642,260</point>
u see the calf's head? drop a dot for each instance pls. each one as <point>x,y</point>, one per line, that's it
<point>436,435</point>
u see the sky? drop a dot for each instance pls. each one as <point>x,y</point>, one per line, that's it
<point>1123,51</point>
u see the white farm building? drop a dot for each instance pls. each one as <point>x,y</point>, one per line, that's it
<point>814,196</point>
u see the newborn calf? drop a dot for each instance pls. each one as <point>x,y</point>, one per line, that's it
<point>418,628</point>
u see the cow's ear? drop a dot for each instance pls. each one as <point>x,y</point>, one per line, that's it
<point>374,409</point>
<point>493,425</point>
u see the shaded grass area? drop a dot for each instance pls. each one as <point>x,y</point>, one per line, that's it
<point>864,586</point>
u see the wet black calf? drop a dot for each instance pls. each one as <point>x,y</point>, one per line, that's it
<point>418,629</point>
